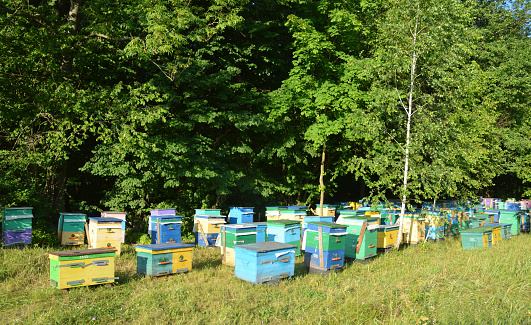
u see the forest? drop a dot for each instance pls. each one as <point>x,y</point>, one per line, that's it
<point>143,104</point>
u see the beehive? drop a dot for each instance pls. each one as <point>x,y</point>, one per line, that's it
<point>239,215</point>
<point>513,217</point>
<point>361,238</point>
<point>165,229</point>
<point>163,259</point>
<point>308,219</point>
<point>386,236</point>
<point>325,246</point>
<point>476,238</point>
<point>264,262</point>
<point>327,210</point>
<point>207,227</point>
<point>105,233</point>
<point>117,215</point>
<point>525,226</point>
<point>261,231</point>
<point>293,213</point>
<point>436,226</point>
<point>348,213</point>
<point>79,268</point>
<point>285,231</point>
<point>496,236</point>
<point>234,235</point>
<point>71,228</point>
<point>414,229</point>
<point>17,226</point>
<point>273,212</point>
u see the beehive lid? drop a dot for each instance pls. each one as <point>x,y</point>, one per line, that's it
<point>282,223</point>
<point>157,247</point>
<point>80,252</point>
<point>327,224</point>
<point>105,219</point>
<point>473,230</point>
<point>388,227</point>
<point>266,246</point>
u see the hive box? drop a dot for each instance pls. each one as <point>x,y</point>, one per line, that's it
<point>476,238</point>
<point>361,238</point>
<point>17,226</point>
<point>325,246</point>
<point>239,215</point>
<point>263,262</point>
<point>105,233</point>
<point>117,215</point>
<point>165,229</point>
<point>207,228</point>
<point>261,231</point>
<point>514,217</point>
<point>386,237</point>
<point>232,236</point>
<point>79,268</point>
<point>496,235</point>
<point>414,229</point>
<point>285,231</point>
<point>71,228</point>
<point>163,259</point>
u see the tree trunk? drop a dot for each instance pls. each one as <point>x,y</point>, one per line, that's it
<point>409,111</point>
<point>321,181</point>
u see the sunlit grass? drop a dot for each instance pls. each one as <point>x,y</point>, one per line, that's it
<point>431,283</point>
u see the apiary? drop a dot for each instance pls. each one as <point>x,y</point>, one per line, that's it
<point>264,262</point>
<point>239,215</point>
<point>163,259</point>
<point>78,268</point>
<point>117,215</point>
<point>17,226</point>
<point>105,233</point>
<point>71,228</point>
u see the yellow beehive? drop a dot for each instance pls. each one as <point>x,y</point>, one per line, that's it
<point>413,230</point>
<point>387,235</point>
<point>228,256</point>
<point>105,233</point>
<point>72,237</point>
<point>209,224</point>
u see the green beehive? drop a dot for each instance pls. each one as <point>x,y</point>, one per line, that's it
<point>476,238</point>
<point>365,228</point>
<point>513,217</point>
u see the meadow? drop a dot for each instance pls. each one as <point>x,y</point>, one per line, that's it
<point>432,283</point>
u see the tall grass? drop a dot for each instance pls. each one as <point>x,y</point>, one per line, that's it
<point>431,283</point>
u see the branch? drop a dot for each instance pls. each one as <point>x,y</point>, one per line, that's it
<point>110,38</point>
<point>38,18</point>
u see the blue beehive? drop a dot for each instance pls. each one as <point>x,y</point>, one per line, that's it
<point>316,219</point>
<point>238,215</point>
<point>165,229</point>
<point>285,231</point>
<point>325,246</point>
<point>207,226</point>
<point>263,262</point>
<point>495,214</point>
<point>261,231</point>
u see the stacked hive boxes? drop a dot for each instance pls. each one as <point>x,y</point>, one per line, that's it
<point>324,246</point>
<point>207,225</point>
<point>361,238</point>
<point>117,215</point>
<point>264,262</point>
<point>293,213</point>
<point>285,231</point>
<point>240,215</point>
<point>163,259</point>
<point>273,212</point>
<point>261,231</point>
<point>165,226</point>
<point>16,226</point>
<point>496,236</point>
<point>232,236</point>
<point>71,228</point>
<point>327,210</point>
<point>513,217</point>
<point>81,267</point>
<point>105,233</point>
<point>308,219</point>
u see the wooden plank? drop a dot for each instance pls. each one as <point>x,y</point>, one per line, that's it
<point>203,234</point>
<point>224,246</point>
<point>158,230</point>
<point>321,257</point>
<point>360,237</point>
<point>88,234</point>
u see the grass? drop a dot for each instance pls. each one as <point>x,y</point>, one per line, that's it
<point>434,283</point>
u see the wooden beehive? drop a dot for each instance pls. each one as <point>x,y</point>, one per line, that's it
<point>165,229</point>
<point>105,233</point>
<point>17,226</point>
<point>496,232</point>
<point>285,231</point>
<point>207,228</point>
<point>264,262</point>
<point>361,238</point>
<point>163,259</point>
<point>234,235</point>
<point>117,215</point>
<point>386,237</point>
<point>261,231</point>
<point>475,238</point>
<point>414,229</point>
<point>79,268</point>
<point>71,228</point>
<point>325,246</point>
<point>513,217</point>
<point>239,215</point>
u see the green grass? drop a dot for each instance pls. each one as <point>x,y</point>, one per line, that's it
<point>432,283</point>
